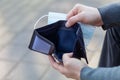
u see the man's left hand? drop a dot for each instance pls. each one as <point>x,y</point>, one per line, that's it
<point>71,67</point>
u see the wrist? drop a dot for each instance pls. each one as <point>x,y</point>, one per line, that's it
<point>82,72</point>
<point>99,18</point>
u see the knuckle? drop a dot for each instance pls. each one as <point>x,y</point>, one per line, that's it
<point>77,5</point>
<point>70,21</point>
<point>82,17</point>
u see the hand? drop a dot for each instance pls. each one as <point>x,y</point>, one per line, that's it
<point>71,67</point>
<point>84,14</point>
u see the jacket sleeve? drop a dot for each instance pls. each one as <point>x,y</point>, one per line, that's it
<point>110,15</point>
<point>100,73</point>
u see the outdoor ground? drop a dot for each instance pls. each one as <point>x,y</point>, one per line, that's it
<point>17,18</point>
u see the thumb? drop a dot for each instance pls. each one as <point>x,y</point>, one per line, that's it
<point>67,56</point>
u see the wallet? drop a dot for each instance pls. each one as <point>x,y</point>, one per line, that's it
<point>56,39</point>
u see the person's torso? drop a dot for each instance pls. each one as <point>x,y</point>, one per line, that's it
<point>111,49</point>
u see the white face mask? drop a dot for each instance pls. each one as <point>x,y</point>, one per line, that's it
<point>53,17</point>
<point>86,29</point>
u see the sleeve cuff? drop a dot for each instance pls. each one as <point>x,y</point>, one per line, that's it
<point>83,73</point>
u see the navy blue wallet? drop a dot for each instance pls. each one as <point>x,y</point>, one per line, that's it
<point>57,39</point>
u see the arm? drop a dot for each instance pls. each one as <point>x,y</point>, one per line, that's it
<point>100,73</point>
<point>110,15</point>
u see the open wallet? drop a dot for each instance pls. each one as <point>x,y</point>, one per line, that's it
<point>56,39</point>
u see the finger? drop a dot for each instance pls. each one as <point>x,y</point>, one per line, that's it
<point>52,60</point>
<point>76,9</point>
<point>71,13</point>
<point>73,20</point>
<point>67,56</point>
<point>54,64</point>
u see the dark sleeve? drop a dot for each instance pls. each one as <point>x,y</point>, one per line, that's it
<point>110,15</point>
<point>100,73</point>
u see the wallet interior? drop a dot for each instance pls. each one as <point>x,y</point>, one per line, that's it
<point>63,38</point>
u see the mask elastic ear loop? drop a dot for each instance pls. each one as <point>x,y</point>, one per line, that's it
<point>39,20</point>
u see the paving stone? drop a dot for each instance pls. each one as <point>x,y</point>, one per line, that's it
<point>22,39</point>
<point>3,27</point>
<point>109,1</point>
<point>36,58</point>
<point>5,67</point>
<point>26,71</point>
<point>3,3</point>
<point>23,16</point>
<point>5,39</point>
<point>12,52</point>
<point>3,30</point>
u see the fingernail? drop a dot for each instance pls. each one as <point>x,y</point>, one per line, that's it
<point>67,25</point>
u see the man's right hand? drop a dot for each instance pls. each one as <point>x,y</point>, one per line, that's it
<point>84,14</point>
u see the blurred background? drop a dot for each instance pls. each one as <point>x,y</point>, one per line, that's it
<point>17,18</point>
